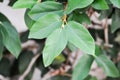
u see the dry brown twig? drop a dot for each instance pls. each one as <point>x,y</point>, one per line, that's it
<point>60,71</point>
<point>106,34</point>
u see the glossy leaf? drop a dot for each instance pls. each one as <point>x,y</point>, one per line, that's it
<point>10,38</point>
<point>54,45</point>
<point>100,4</point>
<point>108,66</point>
<point>75,4</point>
<point>82,68</point>
<point>24,3</point>
<point>44,8</point>
<point>45,26</point>
<point>80,37</point>
<point>116,3</point>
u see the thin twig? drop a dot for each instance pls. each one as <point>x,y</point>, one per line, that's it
<point>60,71</point>
<point>106,31</point>
<point>29,67</point>
<point>66,74</point>
<point>106,34</point>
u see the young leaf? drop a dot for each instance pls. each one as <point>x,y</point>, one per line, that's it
<point>116,3</point>
<point>107,65</point>
<point>10,38</point>
<point>45,26</point>
<point>54,45</point>
<point>24,3</point>
<point>44,8</point>
<point>75,4</point>
<point>80,37</point>
<point>82,68</point>
<point>100,4</point>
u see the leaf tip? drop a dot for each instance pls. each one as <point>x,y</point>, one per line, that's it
<point>46,62</point>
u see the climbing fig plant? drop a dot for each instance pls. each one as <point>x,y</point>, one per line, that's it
<point>64,24</point>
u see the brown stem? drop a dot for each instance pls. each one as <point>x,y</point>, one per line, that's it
<point>106,31</point>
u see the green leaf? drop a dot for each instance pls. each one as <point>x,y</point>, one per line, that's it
<point>11,2</point>
<point>24,60</point>
<point>115,21</point>
<point>106,13</point>
<point>82,68</point>
<point>75,4</point>
<point>5,67</point>
<point>80,37</point>
<point>10,38</point>
<point>44,8</point>
<point>59,77</point>
<point>108,66</point>
<point>98,50</point>
<point>72,47</point>
<point>24,3</point>
<point>81,18</point>
<point>89,77</point>
<point>54,45</point>
<point>100,4</point>
<point>28,21</point>
<point>59,59</point>
<point>45,26</point>
<point>117,39</point>
<point>3,18</point>
<point>1,46</point>
<point>116,3</point>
